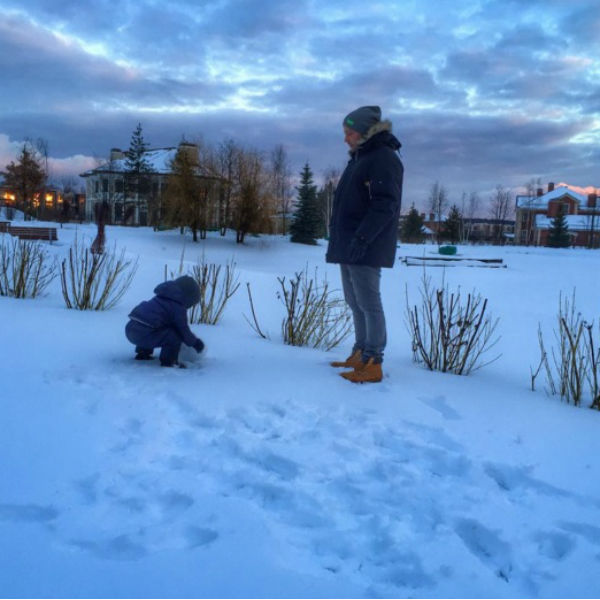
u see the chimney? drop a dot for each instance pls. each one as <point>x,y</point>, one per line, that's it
<point>191,151</point>
<point>591,200</point>
<point>540,192</point>
<point>116,154</point>
<point>431,216</point>
<point>551,186</point>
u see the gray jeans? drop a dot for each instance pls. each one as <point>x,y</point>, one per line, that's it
<point>361,292</point>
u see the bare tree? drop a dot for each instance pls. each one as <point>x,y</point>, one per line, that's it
<point>531,188</point>
<point>281,181</point>
<point>183,196</point>
<point>251,205</point>
<point>501,207</point>
<point>471,209</point>
<point>438,202</point>
<point>43,150</point>
<point>226,159</point>
<point>327,193</point>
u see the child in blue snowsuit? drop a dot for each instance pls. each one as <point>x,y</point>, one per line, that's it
<point>162,321</point>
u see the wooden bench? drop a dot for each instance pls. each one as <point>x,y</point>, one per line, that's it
<point>452,261</point>
<point>34,233</point>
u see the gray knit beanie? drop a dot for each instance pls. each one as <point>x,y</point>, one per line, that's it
<point>190,289</point>
<point>363,118</point>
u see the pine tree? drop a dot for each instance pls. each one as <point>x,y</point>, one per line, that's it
<point>136,161</point>
<point>307,224</point>
<point>453,225</point>
<point>412,227</point>
<point>137,169</point>
<point>26,177</point>
<point>558,235</point>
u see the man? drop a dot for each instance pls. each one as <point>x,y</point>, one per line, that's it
<point>364,232</point>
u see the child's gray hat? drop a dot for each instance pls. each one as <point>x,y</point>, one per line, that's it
<point>363,118</point>
<point>190,290</point>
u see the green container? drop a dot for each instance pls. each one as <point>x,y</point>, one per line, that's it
<point>447,250</point>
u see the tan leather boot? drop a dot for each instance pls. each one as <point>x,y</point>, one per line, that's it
<point>353,361</point>
<point>369,372</point>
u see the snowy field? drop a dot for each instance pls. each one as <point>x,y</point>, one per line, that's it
<point>259,472</point>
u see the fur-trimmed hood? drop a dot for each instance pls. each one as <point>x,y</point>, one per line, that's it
<point>384,126</point>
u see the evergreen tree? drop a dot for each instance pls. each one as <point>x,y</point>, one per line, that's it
<point>558,235</point>
<point>137,169</point>
<point>307,224</point>
<point>26,177</point>
<point>412,227</point>
<point>453,226</point>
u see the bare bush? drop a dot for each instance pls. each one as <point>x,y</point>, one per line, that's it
<point>217,286</point>
<point>25,268</point>
<point>315,316</point>
<point>448,334</point>
<point>92,281</point>
<point>572,366</point>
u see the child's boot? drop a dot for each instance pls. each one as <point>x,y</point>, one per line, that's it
<point>143,354</point>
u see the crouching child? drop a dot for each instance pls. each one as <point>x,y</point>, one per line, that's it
<point>162,322</point>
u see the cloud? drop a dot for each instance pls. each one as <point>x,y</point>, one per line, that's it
<point>9,150</point>
<point>480,93</point>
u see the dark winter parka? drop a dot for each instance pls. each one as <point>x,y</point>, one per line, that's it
<point>367,201</point>
<point>168,308</point>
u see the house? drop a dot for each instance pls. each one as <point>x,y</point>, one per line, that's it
<point>49,204</point>
<point>534,216</point>
<point>107,184</point>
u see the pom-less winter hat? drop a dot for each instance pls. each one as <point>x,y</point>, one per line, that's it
<point>363,118</point>
<point>190,289</point>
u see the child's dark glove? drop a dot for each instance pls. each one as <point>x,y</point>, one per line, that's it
<point>358,249</point>
<point>198,346</point>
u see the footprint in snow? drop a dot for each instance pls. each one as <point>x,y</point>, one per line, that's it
<point>554,545</point>
<point>440,405</point>
<point>487,546</point>
<point>509,478</point>
<point>591,533</point>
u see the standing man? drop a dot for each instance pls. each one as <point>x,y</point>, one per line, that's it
<point>364,233</point>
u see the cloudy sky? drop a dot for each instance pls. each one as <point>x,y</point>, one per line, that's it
<point>480,93</point>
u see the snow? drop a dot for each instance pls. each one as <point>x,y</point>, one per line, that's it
<point>11,214</point>
<point>259,472</point>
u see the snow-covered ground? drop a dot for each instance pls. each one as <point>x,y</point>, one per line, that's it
<point>259,472</point>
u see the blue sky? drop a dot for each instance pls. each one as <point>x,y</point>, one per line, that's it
<point>480,93</point>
